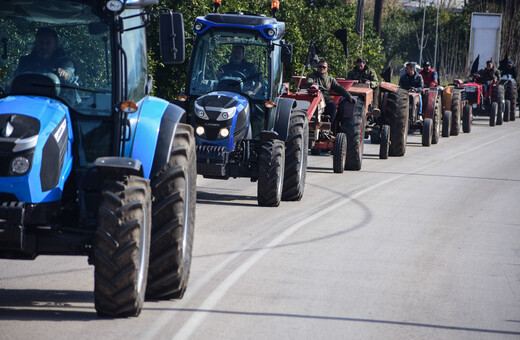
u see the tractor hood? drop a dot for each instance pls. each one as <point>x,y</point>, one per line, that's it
<point>222,118</point>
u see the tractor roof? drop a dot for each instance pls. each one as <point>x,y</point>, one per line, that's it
<point>270,28</point>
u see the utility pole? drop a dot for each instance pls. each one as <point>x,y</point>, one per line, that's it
<point>422,35</point>
<point>436,35</point>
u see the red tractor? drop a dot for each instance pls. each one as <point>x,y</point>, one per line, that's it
<point>486,100</point>
<point>429,121</point>
<point>453,99</point>
<point>386,125</point>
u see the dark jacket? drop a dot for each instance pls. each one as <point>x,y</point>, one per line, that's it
<point>488,75</point>
<point>33,63</point>
<point>247,68</point>
<point>512,71</point>
<point>365,74</point>
<point>413,82</point>
<point>327,83</point>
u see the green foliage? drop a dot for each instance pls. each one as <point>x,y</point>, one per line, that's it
<point>303,24</point>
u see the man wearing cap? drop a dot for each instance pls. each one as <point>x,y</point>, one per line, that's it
<point>429,75</point>
<point>364,74</point>
<point>412,81</point>
<point>321,80</point>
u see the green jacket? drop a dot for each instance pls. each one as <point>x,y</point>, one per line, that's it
<point>364,75</point>
<point>327,83</point>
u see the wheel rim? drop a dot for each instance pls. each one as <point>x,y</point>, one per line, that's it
<point>187,196</point>
<point>144,240</point>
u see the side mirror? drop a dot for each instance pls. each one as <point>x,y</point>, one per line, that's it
<point>171,35</point>
<point>287,53</point>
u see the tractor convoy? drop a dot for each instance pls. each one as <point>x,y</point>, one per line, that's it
<point>91,164</point>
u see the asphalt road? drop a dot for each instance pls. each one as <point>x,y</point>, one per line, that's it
<point>425,246</point>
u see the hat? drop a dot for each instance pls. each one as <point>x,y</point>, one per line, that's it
<point>361,60</point>
<point>426,63</point>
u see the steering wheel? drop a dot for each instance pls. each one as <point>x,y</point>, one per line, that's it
<point>235,73</point>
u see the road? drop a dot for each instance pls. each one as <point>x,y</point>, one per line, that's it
<point>425,246</point>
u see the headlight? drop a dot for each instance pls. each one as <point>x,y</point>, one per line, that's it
<point>20,165</point>
<point>198,26</point>
<point>226,114</point>
<point>224,132</point>
<point>271,32</point>
<point>474,106</point>
<point>199,130</point>
<point>114,5</point>
<point>200,112</point>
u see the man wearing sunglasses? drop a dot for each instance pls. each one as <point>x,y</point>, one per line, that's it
<point>325,83</point>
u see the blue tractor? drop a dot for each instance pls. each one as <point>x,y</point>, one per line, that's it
<point>90,163</point>
<point>243,127</point>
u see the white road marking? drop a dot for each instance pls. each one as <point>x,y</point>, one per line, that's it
<point>198,317</point>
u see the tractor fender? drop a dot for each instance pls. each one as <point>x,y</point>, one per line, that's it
<point>283,117</point>
<point>429,101</point>
<point>152,130</point>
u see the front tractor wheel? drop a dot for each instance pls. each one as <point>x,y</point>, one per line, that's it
<point>296,151</point>
<point>493,113</point>
<point>446,123</point>
<point>467,117</point>
<point>122,245</point>
<point>427,131</point>
<point>271,163</point>
<point>174,192</point>
<point>384,147</point>
<point>355,130</point>
<point>340,152</point>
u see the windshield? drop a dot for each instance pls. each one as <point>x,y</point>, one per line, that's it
<point>47,55</point>
<point>232,61</point>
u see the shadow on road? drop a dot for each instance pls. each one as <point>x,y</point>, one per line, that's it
<point>54,305</point>
<point>350,319</point>
<point>204,197</point>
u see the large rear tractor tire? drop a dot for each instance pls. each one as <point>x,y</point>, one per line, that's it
<point>512,96</point>
<point>427,132</point>
<point>122,246</point>
<point>340,153</point>
<point>500,113</point>
<point>456,111</point>
<point>467,118</point>
<point>396,116</point>
<point>173,220</point>
<point>384,146</point>
<point>355,130</point>
<point>446,123</point>
<point>296,151</point>
<point>498,97</point>
<point>493,112</point>
<point>507,110</point>
<point>437,121</point>
<point>271,164</point>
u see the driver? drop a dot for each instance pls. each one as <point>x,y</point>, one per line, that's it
<point>326,83</point>
<point>237,63</point>
<point>47,57</point>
